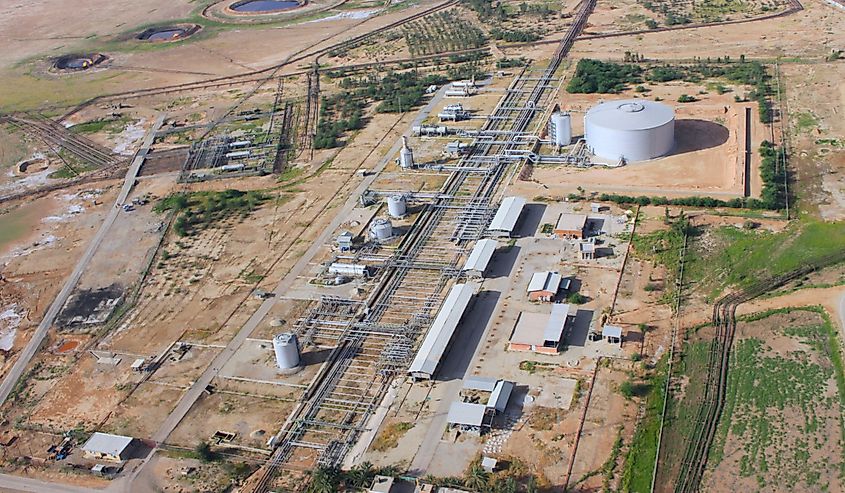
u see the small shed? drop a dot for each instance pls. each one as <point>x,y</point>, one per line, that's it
<point>500,396</point>
<point>571,225</point>
<point>105,446</point>
<point>468,417</point>
<point>480,257</point>
<point>489,464</point>
<point>588,250</point>
<point>382,484</point>
<point>482,384</point>
<point>344,241</point>
<point>612,334</point>
<point>544,286</point>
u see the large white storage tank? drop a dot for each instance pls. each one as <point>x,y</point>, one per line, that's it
<point>381,229</point>
<point>560,129</point>
<point>286,348</point>
<point>630,129</point>
<point>396,206</point>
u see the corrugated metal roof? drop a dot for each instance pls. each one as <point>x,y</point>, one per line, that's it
<point>500,396</point>
<point>440,333</point>
<point>481,254</point>
<point>107,444</point>
<point>466,413</point>
<point>630,114</point>
<point>557,322</point>
<point>611,331</point>
<point>572,222</point>
<point>507,215</point>
<point>486,384</point>
<point>545,281</point>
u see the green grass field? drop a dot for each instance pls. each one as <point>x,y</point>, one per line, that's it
<point>739,257</point>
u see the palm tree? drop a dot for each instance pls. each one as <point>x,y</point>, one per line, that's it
<point>360,475</point>
<point>477,478</point>
<point>323,480</point>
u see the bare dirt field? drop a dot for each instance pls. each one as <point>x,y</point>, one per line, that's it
<point>776,434</point>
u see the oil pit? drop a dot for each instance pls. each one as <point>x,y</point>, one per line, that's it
<point>168,33</point>
<point>263,6</point>
<point>78,62</point>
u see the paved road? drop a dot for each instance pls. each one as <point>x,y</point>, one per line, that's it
<point>52,312</point>
<point>9,483</point>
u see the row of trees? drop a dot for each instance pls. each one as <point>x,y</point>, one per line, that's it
<point>514,36</point>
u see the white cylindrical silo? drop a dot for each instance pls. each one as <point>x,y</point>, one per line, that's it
<point>632,129</point>
<point>560,129</point>
<point>286,348</point>
<point>406,155</point>
<point>381,229</point>
<point>396,205</point>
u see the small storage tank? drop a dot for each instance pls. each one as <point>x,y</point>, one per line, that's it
<point>406,155</point>
<point>396,206</point>
<point>560,128</point>
<point>381,229</point>
<point>286,348</point>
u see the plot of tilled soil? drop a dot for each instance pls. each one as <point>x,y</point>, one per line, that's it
<point>781,427</point>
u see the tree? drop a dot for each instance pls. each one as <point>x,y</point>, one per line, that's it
<point>360,475</point>
<point>477,478</point>
<point>203,450</point>
<point>323,480</point>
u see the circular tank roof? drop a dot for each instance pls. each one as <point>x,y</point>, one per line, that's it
<point>630,114</point>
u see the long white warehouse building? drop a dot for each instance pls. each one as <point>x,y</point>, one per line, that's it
<point>442,329</point>
<point>630,129</point>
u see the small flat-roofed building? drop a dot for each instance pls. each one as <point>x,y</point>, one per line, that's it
<point>344,241</point>
<point>105,446</point>
<point>483,384</point>
<point>504,222</point>
<point>588,250</point>
<point>540,332</point>
<point>500,396</point>
<point>571,225</point>
<point>489,464</point>
<point>544,286</point>
<point>468,417</point>
<point>437,339</point>
<point>382,484</point>
<point>479,257</point>
<point>612,334</point>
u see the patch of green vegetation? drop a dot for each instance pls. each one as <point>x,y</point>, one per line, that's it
<point>199,210</point>
<point>639,461</point>
<point>390,435</point>
<point>110,125</point>
<point>594,76</point>
<point>805,121</point>
<point>664,247</point>
<point>739,257</point>
<point>769,388</point>
<point>514,35</point>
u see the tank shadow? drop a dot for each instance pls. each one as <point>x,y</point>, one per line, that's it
<point>695,135</point>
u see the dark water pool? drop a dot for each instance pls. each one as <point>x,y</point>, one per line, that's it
<point>76,63</point>
<point>166,34</point>
<point>264,5</point>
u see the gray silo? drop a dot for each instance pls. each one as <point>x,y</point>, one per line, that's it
<point>286,348</point>
<point>396,206</point>
<point>630,129</point>
<point>381,229</point>
<point>406,155</point>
